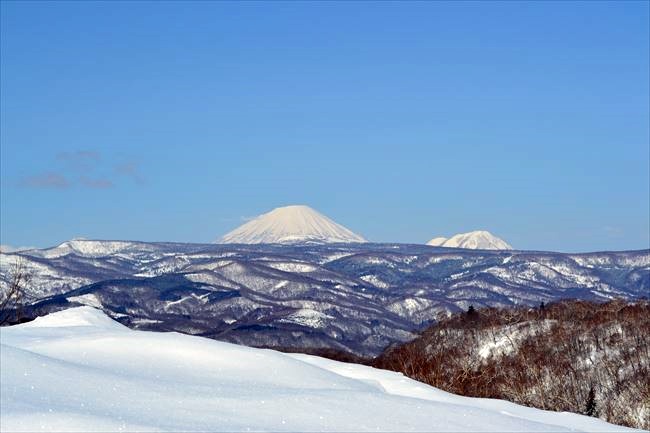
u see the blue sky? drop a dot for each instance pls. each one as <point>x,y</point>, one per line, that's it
<point>402,121</point>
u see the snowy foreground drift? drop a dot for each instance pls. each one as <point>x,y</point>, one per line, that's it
<point>79,370</point>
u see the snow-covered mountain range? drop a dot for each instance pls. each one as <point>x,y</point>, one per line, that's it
<point>356,297</point>
<point>291,224</point>
<point>476,240</point>
<point>78,370</point>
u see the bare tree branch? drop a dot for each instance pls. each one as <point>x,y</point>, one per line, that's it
<point>15,296</point>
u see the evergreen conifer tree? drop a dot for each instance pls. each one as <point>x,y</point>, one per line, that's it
<point>590,409</point>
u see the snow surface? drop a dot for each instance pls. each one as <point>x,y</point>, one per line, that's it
<point>476,240</point>
<point>308,317</point>
<point>78,370</point>
<point>291,224</point>
<point>89,299</point>
<point>506,340</point>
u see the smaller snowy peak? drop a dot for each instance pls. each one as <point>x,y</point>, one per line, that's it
<point>476,240</point>
<point>437,242</point>
<point>86,248</point>
<point>92,248</point>
<point>291,225</point>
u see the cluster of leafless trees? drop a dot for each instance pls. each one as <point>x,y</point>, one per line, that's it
<point>572,356</point>
<point>14,293</point>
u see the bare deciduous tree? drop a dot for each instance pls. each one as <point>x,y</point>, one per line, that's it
<point>14,296</point>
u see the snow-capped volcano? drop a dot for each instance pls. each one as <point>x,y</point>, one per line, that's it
<point>476,240</point>
<point>291,224</point>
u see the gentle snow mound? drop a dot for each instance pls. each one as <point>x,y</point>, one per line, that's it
<point>79,316</point>
<point>476,240</point>
<point>77,370</point>
<point>291,224</point>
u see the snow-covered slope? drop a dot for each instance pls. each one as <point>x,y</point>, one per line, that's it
<point>291,224</point>
<point>77,370</point>
<point>476,240</point>
<point>437,242</point>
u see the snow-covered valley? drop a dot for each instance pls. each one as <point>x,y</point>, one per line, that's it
<point>78,370</point>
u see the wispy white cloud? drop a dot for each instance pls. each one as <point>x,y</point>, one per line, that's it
<point>46,180</point>
<point>83,168</point>
<point>79,155</point>
<point>96,183</point>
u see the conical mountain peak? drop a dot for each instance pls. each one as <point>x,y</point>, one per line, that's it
<point>291,224</point>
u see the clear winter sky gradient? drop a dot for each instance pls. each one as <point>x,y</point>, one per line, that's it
<point>402,121</point>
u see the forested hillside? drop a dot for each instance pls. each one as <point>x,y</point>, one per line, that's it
<point>571,356</point>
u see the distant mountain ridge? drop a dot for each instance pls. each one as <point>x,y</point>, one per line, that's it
<point>476,240</point>
<point>290,225</point>
<point>355,297</point>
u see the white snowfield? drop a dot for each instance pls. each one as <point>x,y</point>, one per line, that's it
<point>291,224</point>
<point>476,240</point>
<point>78,370</point>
